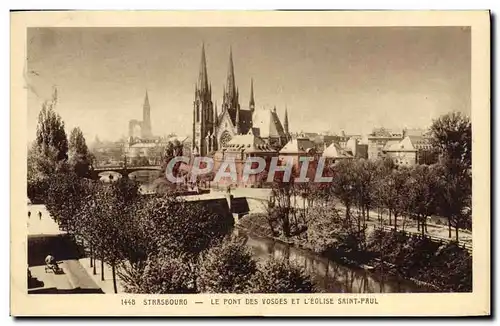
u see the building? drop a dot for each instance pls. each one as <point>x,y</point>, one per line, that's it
<point>144,152</point>
<point>142,129</point>
<point>335,153</point>
<point>239,149</point>
<point>412,150</point>
<point>323,141</point>
<point>425,152</point>
<point>402,153</point>
<point>380,141</point>
<point>267,125</point>
<point>297,149</point>
<point>212,131</point>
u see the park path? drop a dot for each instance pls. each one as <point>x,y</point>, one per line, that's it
<point>107,284</point>
<point>46,238</point>
<point>436,231</point>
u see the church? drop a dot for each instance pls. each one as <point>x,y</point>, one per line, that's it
<point>212,131</point>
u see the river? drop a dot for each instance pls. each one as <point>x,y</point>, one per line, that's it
<point>329,276</point>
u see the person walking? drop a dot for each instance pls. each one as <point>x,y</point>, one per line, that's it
<point>40,215</point>
<point>29,214</point>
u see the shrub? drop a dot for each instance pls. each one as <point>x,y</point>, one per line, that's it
<point>164,274</point>
<point>281,276</point>
<point>227,268</point>
<point>447,267</point>
<point>183,227</point>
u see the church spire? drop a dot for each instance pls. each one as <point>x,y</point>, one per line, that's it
<point>203,77</point>
<point>231,87</point>
<point>252,101</point>
<point>146,99</point>
<point>285,125</point>
<point>146,117</point>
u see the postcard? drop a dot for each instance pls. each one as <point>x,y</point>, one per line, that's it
<point>240,163</point>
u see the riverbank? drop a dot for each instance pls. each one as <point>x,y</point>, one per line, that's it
<point>445,267</point>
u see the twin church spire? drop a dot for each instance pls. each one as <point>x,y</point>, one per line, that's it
<point>206,118</point>
<point>230,91</point>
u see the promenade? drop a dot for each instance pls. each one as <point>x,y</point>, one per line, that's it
<point>44,238</point>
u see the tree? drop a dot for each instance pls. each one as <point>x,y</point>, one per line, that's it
<point>280,209</point>
<point>47,154</point>
<point>108,221</point>
<point>384,168</point>
<point>281,276</point>
<point>343,185</point>
<point>392,193</point>
<point>455,198</point>
<point>423,193</point>
<point>164,274</point>
<point>329,232</point>
<point>178,148</point>
<point>65,196</point>
<point>180,227</point>
<point>41,166</point>
<point>365,176</point>
<point>451,135</point>
<point>50,133</point>
<point>79,155</point>
<point>227,268</point>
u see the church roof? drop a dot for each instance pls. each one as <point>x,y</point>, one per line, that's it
<point>245,119</point>
<point>268,123</point>
<point>297,146</point>
<point>335,151</point>
<point>248,143</point>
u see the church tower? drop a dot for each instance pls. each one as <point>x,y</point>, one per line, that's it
<point>251,104</point>
<point>146,119</point>
<point>203,115</point>
<point>285,124</point>
<point>231,94</point>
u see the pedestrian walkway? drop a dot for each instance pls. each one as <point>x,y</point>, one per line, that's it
<point>436,231</point>
<point>40,221</point>
<point>107,284</point>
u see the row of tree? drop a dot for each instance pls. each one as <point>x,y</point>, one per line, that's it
<point>161,244</point>
<point>155,244</point>
<point>417,192</point>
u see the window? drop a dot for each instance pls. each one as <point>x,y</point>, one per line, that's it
<point>225,138</point>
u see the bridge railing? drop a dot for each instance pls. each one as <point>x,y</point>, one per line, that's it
<point>128,167</point>
<point>465,245</point>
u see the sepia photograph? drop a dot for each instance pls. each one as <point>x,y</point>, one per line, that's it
<point>249,160</point>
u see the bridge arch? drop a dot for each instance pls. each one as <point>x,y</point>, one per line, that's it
<point>122,171</point>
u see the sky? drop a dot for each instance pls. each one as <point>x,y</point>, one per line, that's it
<point>329,78</point>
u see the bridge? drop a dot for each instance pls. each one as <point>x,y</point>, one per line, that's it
<point>122,170</point>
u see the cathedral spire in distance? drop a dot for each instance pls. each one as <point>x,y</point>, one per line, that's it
<point>146,99</point>
<point>203,77</point>
<point>146,117</point>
